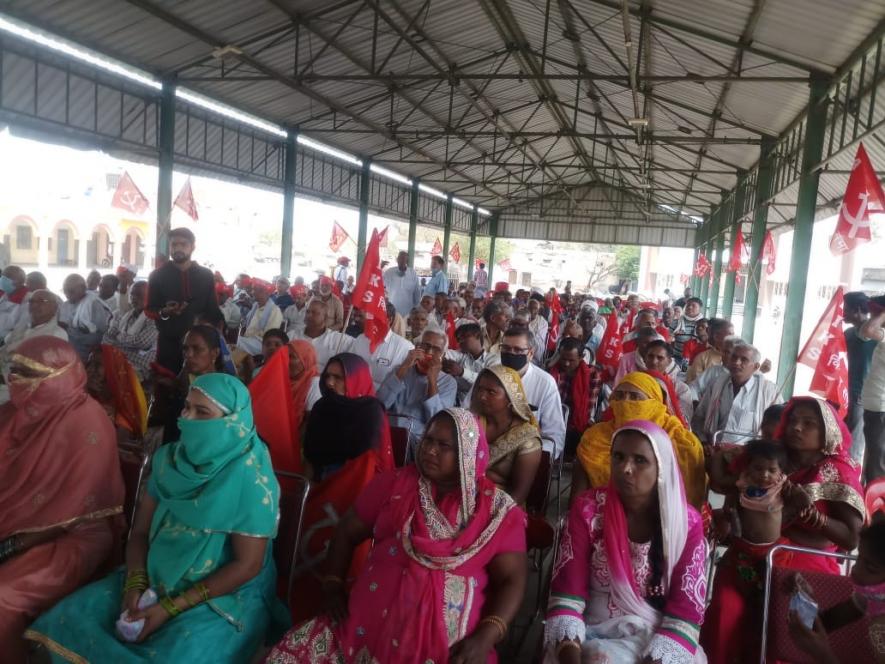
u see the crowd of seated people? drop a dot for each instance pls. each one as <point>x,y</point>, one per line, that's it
<point>416,554</point>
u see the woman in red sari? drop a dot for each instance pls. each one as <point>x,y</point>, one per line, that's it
<point>817,444</point>
<point>447,571</point>
<point>346,443</point>
<point>60,486</point>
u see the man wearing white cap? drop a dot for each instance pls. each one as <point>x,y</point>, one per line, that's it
<point>126,273</point>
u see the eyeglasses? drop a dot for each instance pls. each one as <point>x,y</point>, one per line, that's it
<point>515,350</point>
<point>427,348</point>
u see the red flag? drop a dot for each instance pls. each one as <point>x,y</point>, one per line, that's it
<point>477,261</point>
<point>769,252</point>
<point>382,237</point>
<point>455,253</point>
<point>826,352</point>
<point>450,330</point>
<point>736,257</point>
<point>339,237</point>
<point>368,295</point>
<point>609,353</point>
<point>684,278</point>
<point>505,265</point>
<point>437,248</point>
<point>703,266</point>
<point>555,305</point>
<point>272,407</point>
<point>863,196</point>
<point>185,201</point>
<point>128,197</point>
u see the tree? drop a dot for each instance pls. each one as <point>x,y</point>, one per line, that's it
<point>627,262</point>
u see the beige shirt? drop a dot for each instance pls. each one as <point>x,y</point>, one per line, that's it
<point>709,358</point>
<point>334,312</point>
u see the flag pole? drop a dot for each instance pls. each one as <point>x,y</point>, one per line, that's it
<point>343,329</point>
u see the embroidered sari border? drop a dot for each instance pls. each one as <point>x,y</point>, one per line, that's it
<point>54,646</point>
<point>92,516</point>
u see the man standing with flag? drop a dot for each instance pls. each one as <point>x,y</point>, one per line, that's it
<point>383,350</point>
<point>873,394</point>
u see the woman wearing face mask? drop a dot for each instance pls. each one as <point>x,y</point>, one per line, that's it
<point>447,571</point>
<point>346,444</point>
<point>639,397</point>
<point>201,540</point>
<point>630,583</point>
<point>514,438</point>
<point>60,486</point>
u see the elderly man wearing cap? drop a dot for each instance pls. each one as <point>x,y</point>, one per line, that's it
<point>334,305</point>
<point>538,326</point>
<point>264,316</point>
<point>341,268</point>
<point>133,332</point>
<point>295,312</point>
<point>281,296</point>
<point>126,273</point>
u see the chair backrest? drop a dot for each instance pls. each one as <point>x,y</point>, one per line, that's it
<point>400,432</point>
<point>874,497</point>
<point>722,433</point>
<point>829,589</point>
<point>536,501</point>
<point>294,490</point>
<point>133,466</point>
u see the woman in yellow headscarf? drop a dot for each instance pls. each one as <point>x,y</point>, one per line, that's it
<point>512,431</point>
<point>639,397</point>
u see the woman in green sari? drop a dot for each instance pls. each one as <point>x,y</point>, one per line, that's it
<point>201,540</point>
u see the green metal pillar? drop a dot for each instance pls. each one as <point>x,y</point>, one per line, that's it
<point>166,164</point>
<point>693,280</point>
<point>471,254</point>
<point>288,205</point>
<point>447,229</point>
<point>363,231</point>
<point>764,181</point>
<point>815,127</point>
<point>736,210</point>
<point>713,307</point>
<point>413,219</point>
<point>493,233</point>
<point>707,251</point>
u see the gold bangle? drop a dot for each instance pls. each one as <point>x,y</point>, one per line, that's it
<point>499,624</point>
<point>169,605</point>
<point>568,643</point>
<point>332,578</point>
<point>203,590</point>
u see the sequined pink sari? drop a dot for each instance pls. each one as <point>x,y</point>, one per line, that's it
<point>423,587</point>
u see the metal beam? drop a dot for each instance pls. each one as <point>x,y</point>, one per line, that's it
<point>288,205</point>
<point>456,77</point>
<point>166,165</point>
<point>363,229</point>
<point>802,233</point>
<point>471,254</point>
<point>413,218</point>
<point>764,182</point>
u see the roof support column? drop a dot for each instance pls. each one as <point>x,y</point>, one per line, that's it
<point>363,229</point>
<point>719,243</point>
<point>707,251</point>
<point>493,234</point>
<point>413,220</point>
<point>288,205</point>
<point>471,254</point>
<point>447,229</point>
<point>815,126</point>
<point>737,209</point>
<point>764,181</point>
<point>166,164</point>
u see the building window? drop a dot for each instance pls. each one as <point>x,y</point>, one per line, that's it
<point>23,237</point>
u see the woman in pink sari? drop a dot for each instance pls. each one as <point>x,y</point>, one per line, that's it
<point>817,444</point>
<point>60,486</point>
<point>630,581</point>
<point>447,571</point>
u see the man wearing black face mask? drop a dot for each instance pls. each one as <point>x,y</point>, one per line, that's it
<point>540,387</point>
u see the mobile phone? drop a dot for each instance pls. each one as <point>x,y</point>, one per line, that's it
<point>805,608</point>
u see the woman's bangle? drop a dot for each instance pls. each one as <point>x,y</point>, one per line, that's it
<point>202,590</point>
<point>169,605</point>
<point>331,578</point>
<point>137,579</point>
<point>498,623</point>
<point>568,643</point>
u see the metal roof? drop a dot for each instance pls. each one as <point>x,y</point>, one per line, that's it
<point>520,106</point>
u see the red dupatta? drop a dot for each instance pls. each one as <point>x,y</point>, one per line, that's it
<point>130,405</point>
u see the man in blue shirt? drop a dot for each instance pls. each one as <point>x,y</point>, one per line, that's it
<point>860,355</point>
<point>439,282</point>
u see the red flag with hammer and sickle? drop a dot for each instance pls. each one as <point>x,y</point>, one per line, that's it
<point>863,196</point>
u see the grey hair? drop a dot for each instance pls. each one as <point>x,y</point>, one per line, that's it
<point>493,308</point>
<point>433,328</point>
<point>754,352</point>
<point>733,340</point>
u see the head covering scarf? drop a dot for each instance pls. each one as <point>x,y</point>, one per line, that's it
<point>522,435</point>
<point>340,428</point>
<point>836,477</point>
<point>594,450</point>
<point>215,481</point>
<point>130,405</point>
<point>58,447</point>
<point>512,384</point>
<point>669,387</point>
<point>673,510</point>
<point>301,385</point>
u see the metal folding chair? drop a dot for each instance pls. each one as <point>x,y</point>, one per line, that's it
<point>400,438</point>
<point>294,490</point>
<point>134,461</point>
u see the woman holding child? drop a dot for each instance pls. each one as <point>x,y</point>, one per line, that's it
<point>824,510</point>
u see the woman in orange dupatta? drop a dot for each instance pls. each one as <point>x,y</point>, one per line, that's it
<point>60,486</point>
<point>112,380</point>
